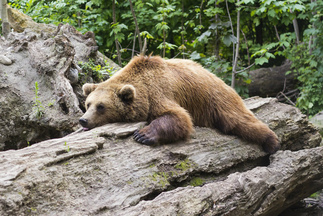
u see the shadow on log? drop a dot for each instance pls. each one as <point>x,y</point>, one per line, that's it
<point>104,172</point>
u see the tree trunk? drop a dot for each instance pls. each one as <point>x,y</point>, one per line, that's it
<point>104,172</point>
<point>137,27</point>
<point>116,40</point>
<point>312,38</point>
<point>233,48</point>
<point>268,82</point>
<point>133,45</point>
<point>164,33</point>
<point>236,54</point>
<point>296,29</point>
<point>182,29</point>
<point>4,17</point>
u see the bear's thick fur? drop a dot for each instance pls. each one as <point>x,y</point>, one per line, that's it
<point>172,95</point>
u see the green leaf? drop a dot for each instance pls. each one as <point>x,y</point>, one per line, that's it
<point>121,26</point>
<point>313,63</point>
<point>248,81</point>
<point>272,13</point>
<point>261,61</point>
<point>247,1</point>
<point>285,43</point>
<point>204,36</point>
<point>298,7</point>
<point>195,56</point>
<point>310,105</point>
<point>269,55</point>
<point>146,34</point>
<point>228,39</point>
<point>211,12</point>
<point>168,46</point>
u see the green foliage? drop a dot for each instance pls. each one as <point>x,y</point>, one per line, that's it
<point>274,11</point>
<point>308,63</point>
<point>196,182</point>
<point>38,107</point>
<point>201,30</point>
<point>308,69</point>
<point>96,71</point>
<point>117,30</point>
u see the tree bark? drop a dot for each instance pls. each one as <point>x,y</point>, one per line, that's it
<point>236,54</point>
<point>268,82</point>
<point>4,17</point>
<point>296,29</point>
<point>51,59</point>
<point>182,29</point>
<point>312,38</point>
<point>164,32</point>
<point>137,27</point>
<point>116,40</point>
<point>104,172</point>
<point>133,45</point>
<point>233,48</point>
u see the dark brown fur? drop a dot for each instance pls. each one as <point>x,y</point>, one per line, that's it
<point>172,95</point>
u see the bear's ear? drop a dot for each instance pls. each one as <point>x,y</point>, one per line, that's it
<point>127,93</point>
<point>88,88</point>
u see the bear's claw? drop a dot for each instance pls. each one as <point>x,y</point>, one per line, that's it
<point>142,138</point>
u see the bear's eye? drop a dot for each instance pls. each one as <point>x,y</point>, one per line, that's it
<point>88,105</point>
<point>100,107</point>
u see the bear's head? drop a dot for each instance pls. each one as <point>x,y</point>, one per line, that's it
<point>112,103</point>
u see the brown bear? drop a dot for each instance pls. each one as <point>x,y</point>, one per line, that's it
<point>172,95</point>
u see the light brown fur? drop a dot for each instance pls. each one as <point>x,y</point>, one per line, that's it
<point>172,95</point>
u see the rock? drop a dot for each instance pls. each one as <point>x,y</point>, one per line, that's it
<point>104,172</point>
<point>5,60</point>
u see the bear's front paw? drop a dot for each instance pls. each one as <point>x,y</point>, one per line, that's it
<point>143,137</point>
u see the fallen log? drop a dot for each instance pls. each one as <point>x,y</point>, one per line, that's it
<point>104,172</point>
<point>40,80</point>
<point>268,82</point>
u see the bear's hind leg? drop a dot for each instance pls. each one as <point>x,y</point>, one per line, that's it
<point>171,126</point>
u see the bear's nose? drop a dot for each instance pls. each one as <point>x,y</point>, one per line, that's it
<point>83,122</point>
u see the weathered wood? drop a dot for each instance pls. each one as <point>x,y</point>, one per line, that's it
<point>104,172</point>
<point>4,18</point>
<point>20,22</point>
<point>51,59</point>
<point>268,82</point>
<point>264,191</point>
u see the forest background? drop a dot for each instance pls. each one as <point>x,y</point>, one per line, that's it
<point>228,37</point>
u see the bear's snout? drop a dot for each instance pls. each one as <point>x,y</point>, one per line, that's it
<point>83,122</point>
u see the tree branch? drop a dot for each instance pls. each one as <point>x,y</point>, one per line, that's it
<point>235,63</point>
<point>233,49</point>
<point>249,65</point>
<point>115,35</point>
<point>136,23</point>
